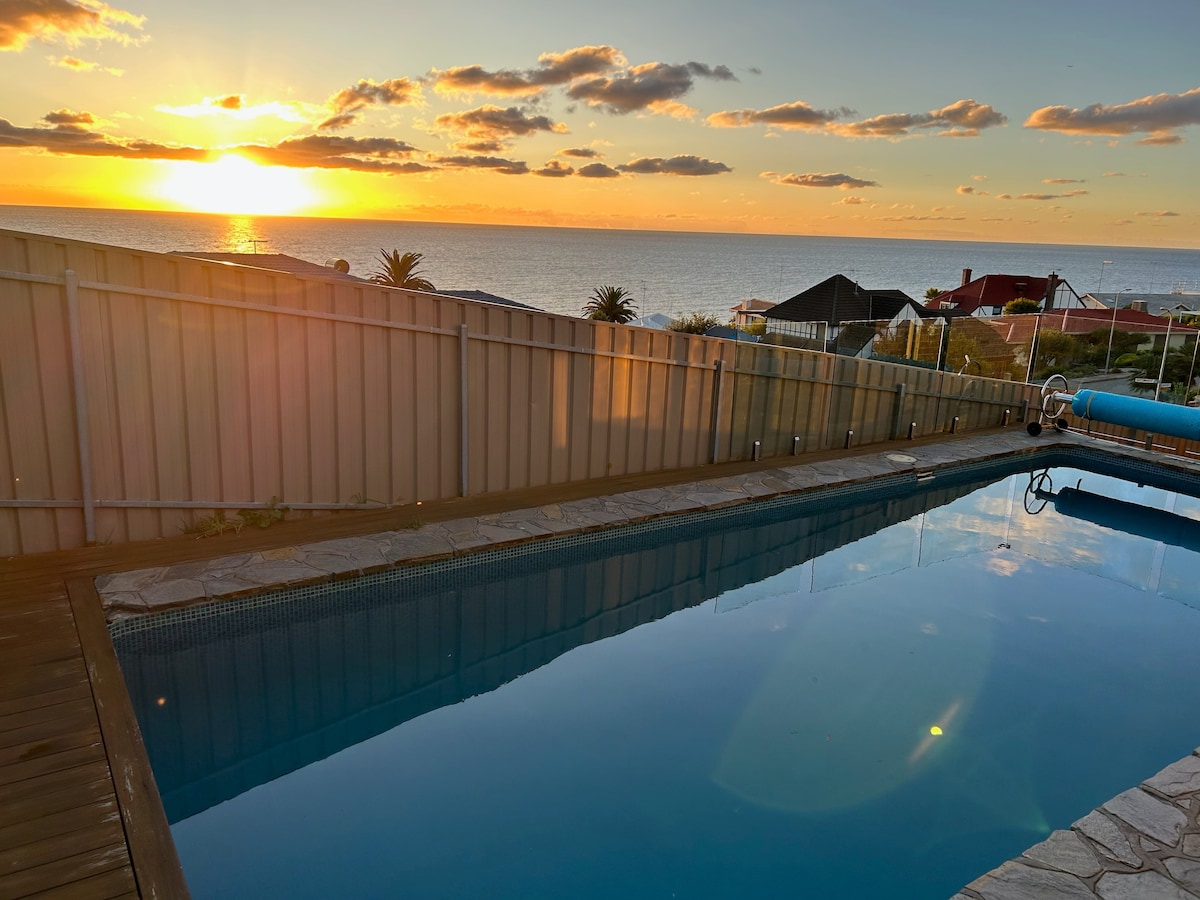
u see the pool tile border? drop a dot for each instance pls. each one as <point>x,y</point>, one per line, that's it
<point>136,593</point>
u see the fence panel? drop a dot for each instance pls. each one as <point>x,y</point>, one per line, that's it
<point>211,387</point>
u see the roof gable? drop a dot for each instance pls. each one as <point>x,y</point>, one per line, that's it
<point>838,299</point>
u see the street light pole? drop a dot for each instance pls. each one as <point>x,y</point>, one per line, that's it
<point>1103,263</point>
<point>1112,327</point>
<point>1162,367</point>
<point>1191,370</point>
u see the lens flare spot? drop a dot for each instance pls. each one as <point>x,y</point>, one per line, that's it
<point>935,730</point>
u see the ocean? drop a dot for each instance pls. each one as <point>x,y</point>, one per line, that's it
<point>676,273</point>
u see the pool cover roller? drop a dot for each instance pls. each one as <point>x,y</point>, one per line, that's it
<point>1138,412</point>
<point>1115,409</point>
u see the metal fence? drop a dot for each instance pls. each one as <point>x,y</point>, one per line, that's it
<point>142,392</point>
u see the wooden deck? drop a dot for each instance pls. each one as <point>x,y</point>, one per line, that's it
<point>80,816</point>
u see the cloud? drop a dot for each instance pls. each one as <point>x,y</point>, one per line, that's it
<point>494,163</point>
<point>787,115</point>
<point>481,146</point>
<point>1157,116</point>
<point>68,21</point>
<point>552,69</point>
<point>644,87</point>
<point>851,201</point>
<point>1077,193</point>
<point>979,178</point>
<point>69,119</point>
<point>924,218</point>
<point>963,118</point>
<point>967,190</point>
<point>75,64</point>
<point>346,105</point>
<point>842,182</point>
<point>234,106</point>
<point>676,165</point>
<point>554,169</point>
<point>579,153</point>
<point>1115,175</point>
<point>324,151</point>
<point>67,136</point>
<point>1158,214</point>
<point>598,170</point>
<point>1064,181</point>
<point>495,123</point>
<point>1004,196</point>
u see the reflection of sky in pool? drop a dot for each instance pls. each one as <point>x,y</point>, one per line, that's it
<point>891,718</point>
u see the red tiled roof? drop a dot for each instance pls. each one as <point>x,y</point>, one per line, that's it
<point>992,290</point>
<point>1084,321</point>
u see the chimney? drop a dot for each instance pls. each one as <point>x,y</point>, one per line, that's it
<point>966,276</point>
<point>1052,282</point>
<point>1139,306</point>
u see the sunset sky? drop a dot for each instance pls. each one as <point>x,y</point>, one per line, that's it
<point>1024,120</point>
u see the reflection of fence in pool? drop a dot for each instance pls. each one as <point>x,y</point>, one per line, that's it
<point>253,694</point>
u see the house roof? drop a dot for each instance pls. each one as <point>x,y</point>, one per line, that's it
<point>1085,321</point>
<point>275,262</point>
<point>484,297</point>
<point>753,305</point>
<point>838,299</point>
<point>996,290</point>
<point>654,320</point>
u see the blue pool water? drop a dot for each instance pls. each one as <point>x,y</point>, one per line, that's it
<point>738,705</point>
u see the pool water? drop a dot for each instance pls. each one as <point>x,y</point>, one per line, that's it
<point>878,695</point>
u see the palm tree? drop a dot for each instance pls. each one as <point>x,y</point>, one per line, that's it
<point>610,304</point>
<point>400,270</point>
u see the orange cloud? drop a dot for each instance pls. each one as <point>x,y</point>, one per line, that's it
<point>346,105</point>
<point>552,69</point>
<point>786,115</point>
<point>68,21</point>
<point>963,118</point>
<point>839,181</point>
<point>1157,116</point>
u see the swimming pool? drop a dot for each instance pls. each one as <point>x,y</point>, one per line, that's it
<point>745,703</point>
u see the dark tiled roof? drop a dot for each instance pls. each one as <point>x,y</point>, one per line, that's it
<point>838,299</point>
<point>275,262</point>
<point>485,297</point>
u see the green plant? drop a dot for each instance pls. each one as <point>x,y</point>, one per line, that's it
<point>610,304</point>
<point>400,270</point>
<point>696,323</point>
<point>1020,306</point>
<point>216,524</point>
<point>264,518</point>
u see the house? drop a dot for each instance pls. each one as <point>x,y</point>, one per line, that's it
<point>749,312</point>
<point>988,294</point>
<point>333,268</point>
<point>484,297</point>
<point>824,316</point>
<point>1152,329</point>
<point>277,262</point>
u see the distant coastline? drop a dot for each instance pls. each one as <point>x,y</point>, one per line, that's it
<point>669,272</point>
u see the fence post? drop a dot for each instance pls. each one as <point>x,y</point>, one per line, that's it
<point>81,411</point>
<point>898,413</point>
<point>464,453</point>
<point>715,423</point>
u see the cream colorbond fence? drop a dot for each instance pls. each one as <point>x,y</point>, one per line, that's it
<point>140,391</point>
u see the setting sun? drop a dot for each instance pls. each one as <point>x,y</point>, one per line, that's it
<point>235,185</point>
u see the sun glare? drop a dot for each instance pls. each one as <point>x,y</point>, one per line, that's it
<point>235,185</point>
